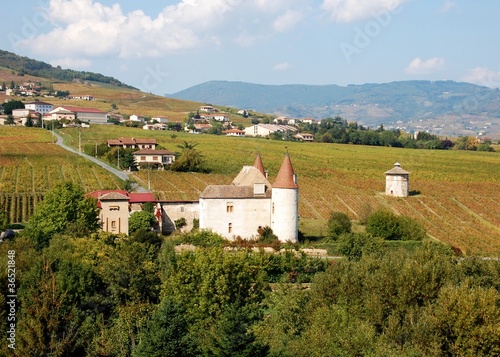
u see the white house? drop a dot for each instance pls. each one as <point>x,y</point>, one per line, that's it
<point>156,159</point>
<point>267,129</point>
<point>60,113</point>
<point>207,109</point>
<point>136,118</point>
<point>90,115</point>
<point>251,202</point>
<point>304,137</point>
<point>161,120</point>
<point>234,132</point>
<point>39,107</point>
<point>397,181</point>
<point>133,143</point>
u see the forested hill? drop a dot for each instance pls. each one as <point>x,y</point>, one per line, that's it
<point>25,65</point>
<point>370,104</point>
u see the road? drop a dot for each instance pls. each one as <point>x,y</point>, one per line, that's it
<point>123,175</point>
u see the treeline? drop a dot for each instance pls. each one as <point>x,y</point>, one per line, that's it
<point>338,130</point>
<point>82,293</point>
<point>25,65</point>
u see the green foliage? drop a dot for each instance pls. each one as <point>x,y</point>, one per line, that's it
<point>64,209</point>
<point>387,225</point>
<point>180,223</point>
<point>190,159</point>
<point>167,333</point>
<point>202,238</point>
<point>266,235</point>
<point>140,220</point>
<point>355,245</point>
<point>11,105</point>
<point>339,223</point>
<point>146,236</point>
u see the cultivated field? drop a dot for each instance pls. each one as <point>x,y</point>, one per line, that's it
<point>30,164</point>
<point>456,194</point>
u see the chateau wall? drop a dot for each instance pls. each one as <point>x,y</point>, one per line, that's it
<point>244,219</point>
<point>171,211</point>
<point>284,217</point>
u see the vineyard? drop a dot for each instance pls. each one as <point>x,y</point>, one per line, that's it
<point>455,194</point>
<point>30,164</point>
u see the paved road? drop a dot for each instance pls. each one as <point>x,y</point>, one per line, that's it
<point>121,174</point>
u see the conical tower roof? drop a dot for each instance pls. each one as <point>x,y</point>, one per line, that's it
<point>285,178</point>
<point>258,165</point>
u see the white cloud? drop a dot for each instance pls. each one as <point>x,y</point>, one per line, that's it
<point>281,66</point>
<point>287,21</point>
<point>419,66</point>
<point>353,10</point>
<point>88,28</point>
<point>484,77</point>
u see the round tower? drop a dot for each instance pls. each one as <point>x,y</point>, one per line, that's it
<point>285,204</point>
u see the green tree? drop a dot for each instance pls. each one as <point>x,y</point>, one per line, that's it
<point>387,225</point>
<point>190,159</point>
<point>63,207</point>
<point>339,223</point>
<point>140,220</point>
<point>167,333</point>
<point>29,122</point>
<point>11,105</point>
<point>3,86</point>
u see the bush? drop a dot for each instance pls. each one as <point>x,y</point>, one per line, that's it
<point>339,223</point>
<point>266,235</point>
<point>387,225</point>
<point>355,245</point>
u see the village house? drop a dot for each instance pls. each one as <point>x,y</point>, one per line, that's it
<point>397,181</point>
<point>154,159</point>
<point>207,109</point>
<point>39,107</point>
<point>156,126</point>
<point>60,114</point>
<point>82,97</point>
<point>234,132</point>
<point>304,137</point>
<point>267,129</point>
<point>132,143</point>
<point>161,120</point>
<point>88,115</point>
<point>137,118</point>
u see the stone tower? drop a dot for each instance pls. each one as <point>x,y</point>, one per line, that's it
<point>285,203</point>
<point>397,181</point>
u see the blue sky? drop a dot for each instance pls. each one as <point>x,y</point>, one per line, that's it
<point>166,46</point>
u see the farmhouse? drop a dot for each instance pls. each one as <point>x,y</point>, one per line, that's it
<point>59,113</point>
<point>397,181</point>
<point>154,159</point>
<point>304,137</point>
<point>132,143</point>
<point>234,132</point>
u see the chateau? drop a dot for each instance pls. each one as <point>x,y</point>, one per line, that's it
<point>250,202</point>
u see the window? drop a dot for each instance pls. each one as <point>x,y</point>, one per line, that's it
<point>229,207</point>
<point>230,228</point>
<point>114,208</point>
<point>113,225</point>
<point>143,158</point>
<point>155,158</point>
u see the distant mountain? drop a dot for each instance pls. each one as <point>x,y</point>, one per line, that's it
<point>25,65</point>
<point>447,107</point>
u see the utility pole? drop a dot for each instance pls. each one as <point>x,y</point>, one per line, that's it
<point>118,157</point>
<point>95,141</point>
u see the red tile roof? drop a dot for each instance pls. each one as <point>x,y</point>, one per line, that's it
<point>258,165</point>
<point>135,197</point>
<point>153,152</point>
<point>285,178</point>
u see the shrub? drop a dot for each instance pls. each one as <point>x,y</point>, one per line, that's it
<point>339,223</point>
<point>387,225</point>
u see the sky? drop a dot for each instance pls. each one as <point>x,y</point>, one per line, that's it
<point>164,47</point>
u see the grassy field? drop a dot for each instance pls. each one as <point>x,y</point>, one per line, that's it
<point>456,194</point>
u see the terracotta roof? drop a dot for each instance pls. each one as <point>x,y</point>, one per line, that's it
<point>397,170</point>
<point>285,178</point>
<point>153,152</point>
<point>134,197</point>
<point>138,197</point>
<point>259,165</point>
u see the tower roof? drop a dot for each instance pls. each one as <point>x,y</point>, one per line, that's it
<point>285,178</point>
<point>258,165</point>
<point>397,170</point>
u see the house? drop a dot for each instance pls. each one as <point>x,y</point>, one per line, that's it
<point>397,181</point>
<point>308,121</point>
<point>82,97</point>
<point>207,109</point>
<point>39,107</point>
<point>198,128</point>
<point>132,143</point>
<point>155,159</point>
<point>116,207</point>
<point>60,114</point>
<point>251,202</point>
<point>136,118</point>
<point>161,120</point>
<point>221,117</point>
<point>234,132</point>
<point>304,137</point>
<point>267,129</point>
<point>155,126</point>
<point>88,115</point>
<point>23,113</point>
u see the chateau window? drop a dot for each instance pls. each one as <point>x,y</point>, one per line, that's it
<point>230,228</point>
<point>143,158</point>
<point>155,158</point>
<point>113,225</point>
<point>273,207</point>
<point>229,207</point>
<point>114,208</point>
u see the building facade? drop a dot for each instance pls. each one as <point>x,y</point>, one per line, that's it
<point>397,181</point>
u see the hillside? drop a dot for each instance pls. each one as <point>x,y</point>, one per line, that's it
<point>24,65</point>
<point>441,107</point>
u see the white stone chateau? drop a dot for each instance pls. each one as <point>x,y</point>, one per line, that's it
<point>236,210</point>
